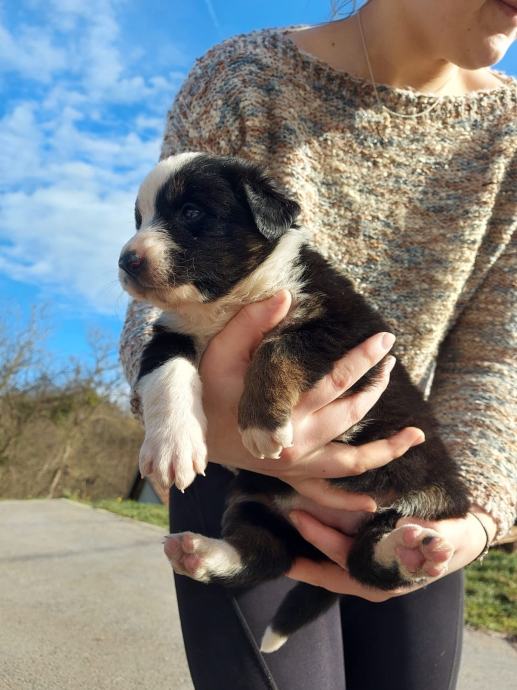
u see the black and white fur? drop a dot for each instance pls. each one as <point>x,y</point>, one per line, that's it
<point>214,234</point>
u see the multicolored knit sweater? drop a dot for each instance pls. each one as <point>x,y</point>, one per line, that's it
<point>419,213</point>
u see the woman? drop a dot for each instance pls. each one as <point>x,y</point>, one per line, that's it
<point>411,187</point>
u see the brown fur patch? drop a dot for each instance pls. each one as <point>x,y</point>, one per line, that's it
<point>273,384</point>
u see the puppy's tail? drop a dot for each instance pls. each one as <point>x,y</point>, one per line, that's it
<point>303,604</point>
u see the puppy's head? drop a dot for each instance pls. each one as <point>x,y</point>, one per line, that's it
<point>203,223</point>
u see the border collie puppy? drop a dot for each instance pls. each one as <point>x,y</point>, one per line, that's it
<point>214,234</point>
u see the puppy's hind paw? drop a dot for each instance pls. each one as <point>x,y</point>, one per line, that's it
<point>200,557</point>
<point>419,552</point>
<point>263,443</point>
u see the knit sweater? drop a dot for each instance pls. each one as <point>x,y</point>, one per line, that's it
<point>419,214</point>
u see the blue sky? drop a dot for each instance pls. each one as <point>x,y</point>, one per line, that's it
<point>85,89</point>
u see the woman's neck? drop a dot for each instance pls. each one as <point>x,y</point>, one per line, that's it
<point>399,55</point>
<point>398,52</point>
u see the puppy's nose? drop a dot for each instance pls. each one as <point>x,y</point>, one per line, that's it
<point>131,263</point>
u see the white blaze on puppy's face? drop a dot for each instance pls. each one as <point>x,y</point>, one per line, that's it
<point>155,180</point>
<point>152,243</point>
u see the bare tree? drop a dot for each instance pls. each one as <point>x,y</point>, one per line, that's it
<point>61,426</point>
<point>20,363</point>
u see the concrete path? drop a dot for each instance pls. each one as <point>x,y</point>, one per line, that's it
<point>489,663</point>
<point>86,602</point>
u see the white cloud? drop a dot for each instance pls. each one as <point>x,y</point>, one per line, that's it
<point>21,142</point>
<point>68,238</point>
<point>30,54</point>
<point>66,226</point>
<point>73,155</point>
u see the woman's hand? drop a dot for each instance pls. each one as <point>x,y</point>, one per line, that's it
<point>462,541</point>
<point>320,416</point>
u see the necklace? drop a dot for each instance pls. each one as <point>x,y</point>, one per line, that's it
<point>372,79</point>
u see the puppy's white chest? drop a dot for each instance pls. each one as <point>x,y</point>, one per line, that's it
<point>200,322</point>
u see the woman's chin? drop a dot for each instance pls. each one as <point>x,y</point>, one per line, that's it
<point>490,51</point>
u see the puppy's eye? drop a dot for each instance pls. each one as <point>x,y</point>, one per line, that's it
<point>191,212</point>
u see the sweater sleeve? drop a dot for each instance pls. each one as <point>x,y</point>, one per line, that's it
<point>206,116</point>
<point>474,392</point>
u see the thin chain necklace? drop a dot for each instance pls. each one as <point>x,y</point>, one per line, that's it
<point>372,79</point>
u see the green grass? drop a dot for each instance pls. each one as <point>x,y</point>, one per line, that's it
<point>491,593</point>
<point>491,586</point>
<point>145,512</point>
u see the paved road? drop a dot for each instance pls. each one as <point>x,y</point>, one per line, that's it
<point>86,602</point>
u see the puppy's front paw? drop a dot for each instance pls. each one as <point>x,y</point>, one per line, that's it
<point>419,552</point>
<point>263,443</point>
<point>175,456</point>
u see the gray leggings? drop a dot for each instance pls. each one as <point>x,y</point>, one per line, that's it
<point>407,643</point>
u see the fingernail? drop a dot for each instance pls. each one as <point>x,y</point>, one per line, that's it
<point>387,340</point>
<point>418,441</point>
<point>293,517</point>
<point>276,299</point>
<point>390,363</point>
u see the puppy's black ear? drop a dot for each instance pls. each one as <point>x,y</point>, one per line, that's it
<point>273,211</point>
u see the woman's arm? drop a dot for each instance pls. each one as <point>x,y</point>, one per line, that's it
<point>474,390</point>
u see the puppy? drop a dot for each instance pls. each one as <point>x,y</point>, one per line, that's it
<point>214,234</point>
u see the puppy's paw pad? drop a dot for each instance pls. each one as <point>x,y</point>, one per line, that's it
<point>180,549</point>
<point>263,443</point>
<point>420,553</point>
<point>201,558</point>
<point>174,458</point>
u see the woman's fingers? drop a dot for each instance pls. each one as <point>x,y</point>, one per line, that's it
<point>324,574</point>
<point>334,544</point>
<point>341,460</point>
<point>244,332</point>
<point>347,371</point>
<point>328,423</point>
<point>360,459</point>
<point>331,575</point>
<point>325,494</point>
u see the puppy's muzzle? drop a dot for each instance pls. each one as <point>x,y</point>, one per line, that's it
<point>132,263</point>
